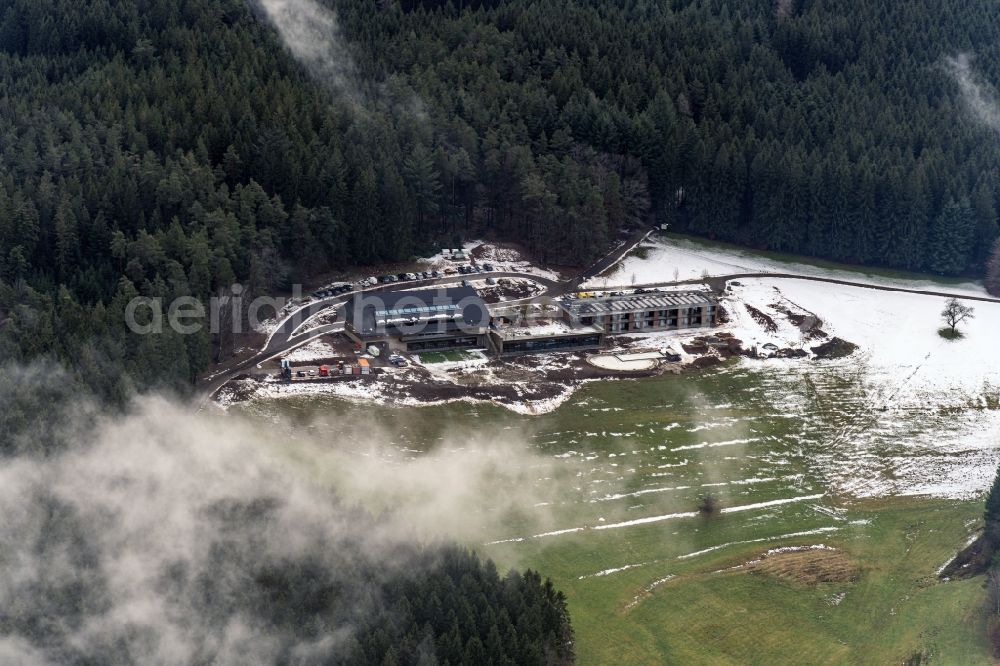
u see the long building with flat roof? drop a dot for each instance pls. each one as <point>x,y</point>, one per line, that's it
<point>653,311</point>
<point>421,319</point>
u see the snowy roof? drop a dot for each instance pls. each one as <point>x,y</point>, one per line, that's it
<point>370,312</point>
<point>637,302</point>
<point>554,328</point>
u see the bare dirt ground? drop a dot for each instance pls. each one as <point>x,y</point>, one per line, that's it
<point>507,289</point>
<point>807,567</point>
<point>512,380</point>
<point>763,319</point>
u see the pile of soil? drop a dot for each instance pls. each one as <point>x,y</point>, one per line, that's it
<point>834,348</point>
<point>509,290</point>
<point>695,347</point>
<point>807,567</point>
<point>764,320</point>
<point>788,352</point>
<point>807,323</point>
<point>497,252</point>
<point>703,362</point>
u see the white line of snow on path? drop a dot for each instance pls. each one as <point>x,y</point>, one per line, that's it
<point>702,445</point>
<point>761,505</point>
<point>608,572</point>
<point>657,519</point>
<point>790,535</point>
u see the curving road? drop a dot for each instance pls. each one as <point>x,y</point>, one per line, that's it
<point>289,333</point>
<point>292,332</point>
<point>718,284</point>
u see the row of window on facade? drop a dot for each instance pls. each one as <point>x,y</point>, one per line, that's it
<point>659,319</point>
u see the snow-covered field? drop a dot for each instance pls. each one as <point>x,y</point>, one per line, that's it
<point>670,259</point>
<point>368,392</point>
<point>897,334</point>
<point>909,413</point>
<point>312,351</point>
<point>914,409</point>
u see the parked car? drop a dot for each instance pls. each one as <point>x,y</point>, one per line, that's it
<point>466,283</point>
<point>435,274</point>
<point>487,267</point>
<point>300,373</point>
<point>312,373</point>
<point>490,281</point>
<point>411,276</point>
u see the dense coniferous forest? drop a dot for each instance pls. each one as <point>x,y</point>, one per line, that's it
<point>448,608</point>
<point>172,147</point>
<point>129,542</point>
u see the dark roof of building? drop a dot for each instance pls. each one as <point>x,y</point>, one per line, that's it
<point>409,311</point>
<point>637,302</point>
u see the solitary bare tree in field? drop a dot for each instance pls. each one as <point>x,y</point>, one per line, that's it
<point>955,313</point>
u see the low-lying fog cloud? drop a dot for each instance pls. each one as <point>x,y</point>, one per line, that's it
<point>312,34</point>
<point>979,97</point>
<point>147,539</point>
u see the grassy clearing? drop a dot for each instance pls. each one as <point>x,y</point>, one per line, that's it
<point>881,603</point>
<point>666,591</point>
<point>447,356</point>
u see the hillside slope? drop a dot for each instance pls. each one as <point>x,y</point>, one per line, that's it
<point>172,148</point>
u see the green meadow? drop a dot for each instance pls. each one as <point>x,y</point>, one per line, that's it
<point>604,495</point>
<point>446,356</point>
